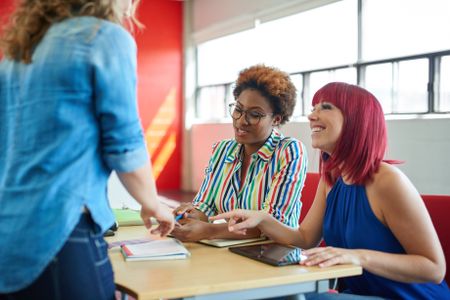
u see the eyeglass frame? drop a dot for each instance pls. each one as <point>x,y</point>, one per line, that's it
<point>232,108</point>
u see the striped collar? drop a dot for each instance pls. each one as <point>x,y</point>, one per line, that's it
<point>265,152</point>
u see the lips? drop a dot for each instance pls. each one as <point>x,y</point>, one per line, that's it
<point>240,132</point>
<point>317,129</point>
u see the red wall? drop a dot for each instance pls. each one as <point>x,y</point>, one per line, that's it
<point>160,74</point>
<point>159,84</point>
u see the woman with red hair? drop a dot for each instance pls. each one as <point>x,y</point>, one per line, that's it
<point>366,210</point>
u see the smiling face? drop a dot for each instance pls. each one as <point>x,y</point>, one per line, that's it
<point>326,122</point>
<point>253,136</point>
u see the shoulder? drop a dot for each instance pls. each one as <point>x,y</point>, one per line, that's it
<point>387,177</point>
<point>224,148</point>
<point>291,146</point>
<point>392,187</point>
<point>113,34</point>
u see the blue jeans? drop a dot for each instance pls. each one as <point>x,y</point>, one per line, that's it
<point>81,270</point>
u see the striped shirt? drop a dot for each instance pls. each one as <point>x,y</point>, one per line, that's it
<point>273,182</point>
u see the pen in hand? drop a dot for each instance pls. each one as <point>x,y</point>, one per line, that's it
<point>178,217</point>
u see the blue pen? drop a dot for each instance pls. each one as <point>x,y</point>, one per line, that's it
<point>179,217</point>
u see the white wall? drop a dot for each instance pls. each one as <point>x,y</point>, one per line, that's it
<point>424,145</point>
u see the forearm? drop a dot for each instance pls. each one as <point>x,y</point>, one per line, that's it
<point>141,186</point>
<point>279,232</point>
<point>400,267</point>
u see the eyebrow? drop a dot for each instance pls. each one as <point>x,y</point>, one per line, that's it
<point>250,108</point>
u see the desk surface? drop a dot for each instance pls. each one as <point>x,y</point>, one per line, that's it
<point>209,270</point>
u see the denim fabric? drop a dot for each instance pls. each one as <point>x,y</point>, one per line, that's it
<point>341,296</point>
<point>66,120</point>
<point>81,270</point>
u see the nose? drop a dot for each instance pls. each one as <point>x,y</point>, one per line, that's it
<point>312,116</point>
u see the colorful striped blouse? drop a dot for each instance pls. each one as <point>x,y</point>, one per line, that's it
<point>273,182</point>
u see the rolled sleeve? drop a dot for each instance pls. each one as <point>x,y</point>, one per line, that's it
<point>114,74</point>
<point>127,161</point>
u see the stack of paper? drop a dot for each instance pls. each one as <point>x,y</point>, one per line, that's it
<point>229,242</point>
<point>155,250</point>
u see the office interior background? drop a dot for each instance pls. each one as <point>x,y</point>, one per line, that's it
<point>191,51</point>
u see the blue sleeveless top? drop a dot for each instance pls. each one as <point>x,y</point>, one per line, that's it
<point>349,222</point>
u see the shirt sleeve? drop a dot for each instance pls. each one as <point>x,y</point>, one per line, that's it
<point>283,199</point>
<point>114,76</point>
<point>205,198</point>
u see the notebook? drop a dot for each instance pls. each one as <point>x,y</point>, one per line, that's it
<point>229,242</point>
<point>128,217</point>
<point>155,250</point>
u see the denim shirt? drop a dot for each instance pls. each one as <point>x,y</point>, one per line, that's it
<point>66,120</point>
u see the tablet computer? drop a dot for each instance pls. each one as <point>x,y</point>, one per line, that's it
<point>273,254</point>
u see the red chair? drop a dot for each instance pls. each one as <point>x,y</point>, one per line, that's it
<point>439,208</point>
<point>308,193</point>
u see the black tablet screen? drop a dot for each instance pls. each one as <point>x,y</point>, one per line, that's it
<point>274,254</point>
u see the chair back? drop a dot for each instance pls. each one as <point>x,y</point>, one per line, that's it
<point>308,193</point>
<point>439,209</point>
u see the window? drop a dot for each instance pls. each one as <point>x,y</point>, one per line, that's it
<point>319,79</point>
<point>378,80</point>
<point>399,41</point>
<point>211,102</point>
<point>412,95</point>
<point>401,87</point>
<point>404,27</point>
<point>299,109</point>
<point>443,100</point>
<point>276,44</point>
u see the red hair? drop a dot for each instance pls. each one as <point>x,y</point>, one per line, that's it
<point>363,141</point>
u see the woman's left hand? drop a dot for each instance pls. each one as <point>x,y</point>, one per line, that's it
<point>330,256</point>
<point>191,230</point>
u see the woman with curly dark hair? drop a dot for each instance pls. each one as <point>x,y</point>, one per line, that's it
<point>65,123</point>
<point>259,169</point>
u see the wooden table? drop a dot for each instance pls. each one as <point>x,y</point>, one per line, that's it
<point>214,273</point>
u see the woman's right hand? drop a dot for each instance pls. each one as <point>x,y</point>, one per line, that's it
<point>189,211</point>
<point>239,220</point>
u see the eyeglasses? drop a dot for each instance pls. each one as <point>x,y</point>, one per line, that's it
<point>251,116</point>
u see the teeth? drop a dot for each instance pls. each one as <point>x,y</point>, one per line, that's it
<point>316,129</point>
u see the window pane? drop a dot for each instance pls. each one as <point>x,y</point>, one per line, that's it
<point>404,27</point>
<point>319,79</point>
<point>220,60</point>
<point>412,86</point>
<point>317,38</point>
<point>211,102</point>
<point>444,85</point>
<point>297,79</point>
<point>378,80</point>
<point>290,44</point>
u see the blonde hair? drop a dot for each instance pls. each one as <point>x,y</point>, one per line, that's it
<point>32,18</point>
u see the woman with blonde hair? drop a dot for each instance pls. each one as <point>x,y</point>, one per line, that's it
<point>68,118</point>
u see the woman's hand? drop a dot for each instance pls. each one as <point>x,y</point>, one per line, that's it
<point>330,256</point>
<point>189,211</point>
<point>163,215</point>
<point>191,230</point>
<point>239,220</point>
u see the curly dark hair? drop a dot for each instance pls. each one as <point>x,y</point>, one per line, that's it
<point>273,84</point>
